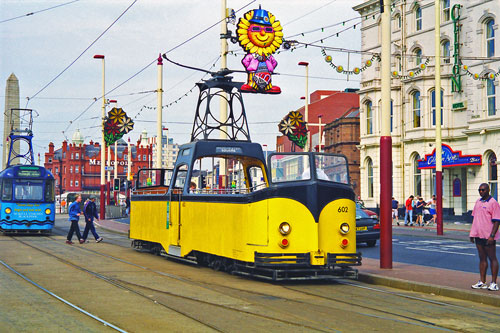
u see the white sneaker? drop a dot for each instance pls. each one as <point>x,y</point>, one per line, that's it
<point>493,286</point>
<point>480,285</point>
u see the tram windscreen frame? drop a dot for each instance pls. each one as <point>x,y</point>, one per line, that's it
<point>296,167</point>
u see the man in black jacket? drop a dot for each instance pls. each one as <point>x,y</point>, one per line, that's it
<point>90,212</point>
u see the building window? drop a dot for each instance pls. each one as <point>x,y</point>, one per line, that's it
<point>446,10</point>
<point>417,177</point>
<point>76,168</point>
<point>57,170</point>
<point>70,169</point>
<point>144,158</point>
<point>71,183</point>
<point>490,96</point>
<point>50,159</point>
<point>369,172</point>
<point>416,109</point>
<point>418,18</point>
<point>397,22</point>
<point>445,50</point>
<point>490,38</point>
<point>76,183</point>
<point>493,175</point>
<point>71,155</point>
<point>77,156</point>
<point>64,170</point>
<point>418,56</point>
<point>139,157</point>
<point>369,118</point>
<point>83,169</point>
<point>433,107</point>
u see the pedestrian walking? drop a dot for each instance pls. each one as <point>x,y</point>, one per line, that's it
<point>432,209</point>
<point>395,204</point>
<point>127,205</point>
<point>74,215</point>
<point>484,233</point>
<point>409,211</point>
<point>90,212</point>
<point>419,210</point>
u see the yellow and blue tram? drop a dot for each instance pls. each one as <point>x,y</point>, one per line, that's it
<point>223,207</point>
<point>27,201</point>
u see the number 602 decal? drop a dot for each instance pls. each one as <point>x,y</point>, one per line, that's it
<point>343,209</point>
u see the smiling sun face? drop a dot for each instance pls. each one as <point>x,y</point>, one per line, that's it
<point>259,38</point>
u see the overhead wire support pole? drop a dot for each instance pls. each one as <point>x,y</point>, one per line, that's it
<point>437,94</point>
<point>385,165</point>
<point>223,98</point>
<point>102,197</point>
<point>159,127</point>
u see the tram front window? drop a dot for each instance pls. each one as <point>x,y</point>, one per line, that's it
<point>29,191</point>
<point>296,167</point>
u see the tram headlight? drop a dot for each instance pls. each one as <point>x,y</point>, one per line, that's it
<point>285,228</point>
<point>48,211</point>
<point>344,228</point>
<point>8,210</point>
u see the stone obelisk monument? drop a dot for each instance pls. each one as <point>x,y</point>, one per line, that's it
<point>11,102</point>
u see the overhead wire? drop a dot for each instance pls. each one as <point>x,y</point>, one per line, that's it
<point>81,54</point>
<point>38,11</point>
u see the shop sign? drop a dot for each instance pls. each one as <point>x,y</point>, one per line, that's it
<point>450,159</point>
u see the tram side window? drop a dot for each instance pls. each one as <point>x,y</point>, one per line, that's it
<point>49,190</point>
<point>180,177</point>
<point>7,189</point>
<point>256,178</point>
<point>285,168</point>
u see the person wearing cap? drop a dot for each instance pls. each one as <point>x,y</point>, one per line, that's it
<point>90,212</point>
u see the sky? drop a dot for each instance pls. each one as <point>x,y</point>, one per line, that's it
<point>38,47</point>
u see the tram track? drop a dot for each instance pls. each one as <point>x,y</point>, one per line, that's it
<point>407,319</point>
<point>133,287</point>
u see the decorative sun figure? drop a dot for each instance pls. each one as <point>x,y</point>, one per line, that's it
<point>260,33</point>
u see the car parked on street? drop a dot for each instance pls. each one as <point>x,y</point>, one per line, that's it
<point>367,228</point>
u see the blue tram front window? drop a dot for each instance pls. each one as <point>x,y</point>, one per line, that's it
<point>29,191</point>
<point>49,190</point>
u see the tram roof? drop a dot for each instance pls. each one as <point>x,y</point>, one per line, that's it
<point>24,171</point>
<point>194,150</point>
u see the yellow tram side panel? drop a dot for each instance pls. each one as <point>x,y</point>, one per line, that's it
<point>223,229</point>
<point>148,221</point>
<point>332,216</point>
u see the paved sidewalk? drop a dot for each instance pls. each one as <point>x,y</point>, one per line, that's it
<point>430,280</point>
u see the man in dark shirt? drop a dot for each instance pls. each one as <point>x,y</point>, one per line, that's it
<point>90,212</point>
<point>395,204</point>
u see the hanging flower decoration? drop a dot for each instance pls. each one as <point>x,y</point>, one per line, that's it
<point>295,128</point>
<point>412,74</point>
<point>476,76</point>
<point>356,70</point>
<point>116,124</point>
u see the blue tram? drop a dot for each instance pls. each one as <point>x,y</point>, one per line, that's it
<point>27,200</point>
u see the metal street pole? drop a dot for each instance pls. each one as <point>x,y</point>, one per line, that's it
<point>319,133</point>
<point>159,128</point>
<point>102,198</point>
<point>385,165</point>
<point>437,94</point>
<point>223,103</point>
<point>306,108</point>
<point>108,183</point>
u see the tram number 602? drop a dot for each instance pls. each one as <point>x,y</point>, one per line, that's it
<point>343,209</point>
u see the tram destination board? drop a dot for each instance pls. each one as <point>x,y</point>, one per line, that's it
<point>28,171</point>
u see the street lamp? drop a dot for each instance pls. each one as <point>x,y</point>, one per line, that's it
<point>306,65</point>
<point>103,155</point>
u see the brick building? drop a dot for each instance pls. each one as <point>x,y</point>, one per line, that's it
<point>79,164</point>
<point>325,106</point>
<point>342,137</point>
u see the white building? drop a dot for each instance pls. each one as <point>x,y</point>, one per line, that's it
<point>169,151</point>
<point>471,113</point>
